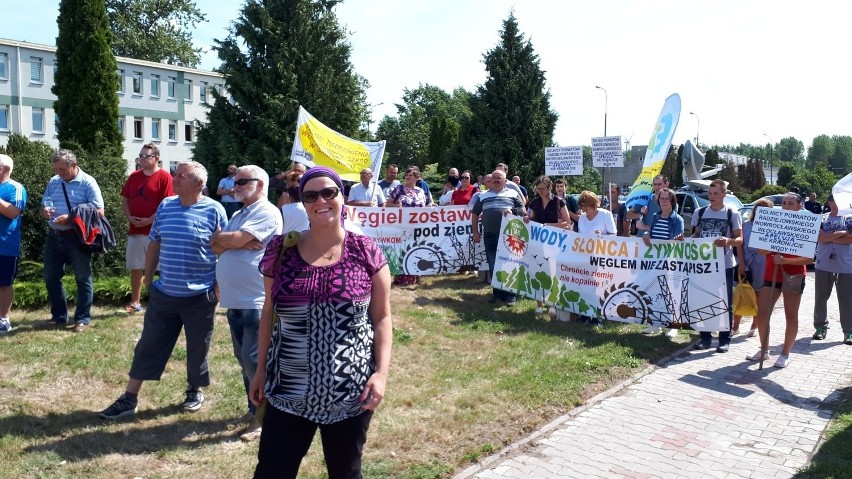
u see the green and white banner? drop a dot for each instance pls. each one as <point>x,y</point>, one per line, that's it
<point>676,284</point>
<point>422,241</point>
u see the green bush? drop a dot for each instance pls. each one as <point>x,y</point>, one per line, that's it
<point>32,294</point>
<point>766,191</point>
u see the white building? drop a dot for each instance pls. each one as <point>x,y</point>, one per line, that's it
<point>158,103</point>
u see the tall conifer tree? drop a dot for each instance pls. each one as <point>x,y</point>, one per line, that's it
<point>86,82</point>
<point>512,121</point>
<point>280,54</point>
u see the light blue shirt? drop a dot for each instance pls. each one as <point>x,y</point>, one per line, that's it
<point>227,183</point>
<point>10,229</point>
<point>187,262</point>
<point>82,189</point>
<point>240,282</point>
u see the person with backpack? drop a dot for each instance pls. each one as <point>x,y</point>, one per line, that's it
<point>725,225</point>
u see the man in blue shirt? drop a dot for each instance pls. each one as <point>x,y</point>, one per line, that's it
<point>184,295</point>
<point>13,198</point>
<point>71,187</point>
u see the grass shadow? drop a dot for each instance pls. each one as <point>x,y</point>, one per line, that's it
<point>81,435</point>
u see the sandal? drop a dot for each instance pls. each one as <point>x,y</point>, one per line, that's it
<point>131,308</point>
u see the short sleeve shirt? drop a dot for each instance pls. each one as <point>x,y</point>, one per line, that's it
<point>715,224</point>
<point>321,353</point>
<point>10,229</point>
<point>144,194</point>
<point>834,257</point>
<point>228,184</point>
<point>372,193</point>
<point>82,189</point>
<point>549,213</point>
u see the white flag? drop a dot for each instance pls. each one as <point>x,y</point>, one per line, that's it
<point>842,192</point>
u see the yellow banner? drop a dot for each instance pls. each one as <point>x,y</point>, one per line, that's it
<point>318,145</point>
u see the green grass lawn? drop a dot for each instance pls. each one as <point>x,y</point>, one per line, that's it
<point>833,460</point>
<point>466,379</point>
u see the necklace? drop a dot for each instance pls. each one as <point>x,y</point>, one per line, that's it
<point>330,255</point>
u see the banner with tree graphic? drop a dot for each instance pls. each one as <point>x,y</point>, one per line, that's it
<point>422,241</point>
<point>676,284</point>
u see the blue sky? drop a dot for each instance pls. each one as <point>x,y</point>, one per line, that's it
<point>745,67</point>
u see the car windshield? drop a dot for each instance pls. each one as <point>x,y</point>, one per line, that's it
<point>733,202</point>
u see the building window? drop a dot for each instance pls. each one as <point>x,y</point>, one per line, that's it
<point>171,92</point>
<point>4,117</point>
<point>155,86</point>
<point>188,132</point>
<point>188,93</point>
<point>202,92</point>
<point>138,131</point>
<point>38,120</point>
<point>55,69</point>
<point>218,88</point>
<point>137,83</point>
<point>172,130</point>
<point>4,66</point>
<point>155,129</point>
<point>36,70</point>
<point>121,125</point>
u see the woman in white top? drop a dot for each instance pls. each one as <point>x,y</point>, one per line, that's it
<point>593,218</point>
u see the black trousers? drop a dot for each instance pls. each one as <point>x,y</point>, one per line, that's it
<point>286,438</point>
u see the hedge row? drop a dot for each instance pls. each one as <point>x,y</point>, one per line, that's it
<point>108,291</point>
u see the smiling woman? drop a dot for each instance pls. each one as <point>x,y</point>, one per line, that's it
<point>325,338</point>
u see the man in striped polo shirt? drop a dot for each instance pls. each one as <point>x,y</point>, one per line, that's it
<point>492,205</point>
<point>183,296</point>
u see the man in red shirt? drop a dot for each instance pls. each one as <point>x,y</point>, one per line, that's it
<point>142,193</point>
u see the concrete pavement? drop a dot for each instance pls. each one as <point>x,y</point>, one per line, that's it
<point>700,414</point>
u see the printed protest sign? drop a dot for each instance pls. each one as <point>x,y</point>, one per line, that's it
<point>563,161</point>
<point>606,151</point>
<point>676,284</point>
<point>422,241</point>
<point>784,231</point>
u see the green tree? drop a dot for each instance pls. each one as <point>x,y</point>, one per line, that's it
<point>790,150</point>
<point>821,149</point>
<point>155,30</point>
<point>511,120</point>
<point>280,54</point>
<point>426,126</point>
<point>841,159</point>
<point>785,174</point>
<point>86,83</point>
<point>817,180</point>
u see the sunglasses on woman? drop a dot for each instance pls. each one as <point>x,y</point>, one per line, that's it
<point>330,193</point>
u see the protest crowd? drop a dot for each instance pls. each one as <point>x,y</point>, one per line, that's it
<point>282,270</point>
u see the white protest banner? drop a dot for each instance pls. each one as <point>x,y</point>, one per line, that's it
<point>562,161</point>
<point>784,231</point>
<point>677,284</point>
<point>842,192</point>
<point>606,151</point>
<point>422,241</point>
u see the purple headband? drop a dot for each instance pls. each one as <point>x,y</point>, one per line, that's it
<point>318,172</point>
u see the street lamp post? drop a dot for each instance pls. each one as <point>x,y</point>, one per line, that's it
<point>771,142</point>
<point>604,186</point>
<point>370,116</point>
<point>698,128</point>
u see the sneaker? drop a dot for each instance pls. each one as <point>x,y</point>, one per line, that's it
<point>701,345</point>
<point>723,348</point>
<point>252,432</point>
<point>782,361</point>
<point>652,330</point>
<point>848,338</point>
<point>539,311</point>
<point>131,308</point>
<point>194,399</point>
<point>511,302</point>
<point>80,327</point>
<point>760,354</point>
<point>5,326</point>
<point>820,333</point>
<point>123,406</point>
<point>751,333</point>
<point>671,333</point>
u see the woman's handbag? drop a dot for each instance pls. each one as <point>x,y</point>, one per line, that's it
<point>745,301</point>
<point>792,283</point>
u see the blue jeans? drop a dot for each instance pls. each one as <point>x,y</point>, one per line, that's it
<point>724,336</point>
<point>490,241</point>
<point>61,250</point>
<point>244,324</point>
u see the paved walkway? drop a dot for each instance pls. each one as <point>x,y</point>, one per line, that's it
<point>701,414</point>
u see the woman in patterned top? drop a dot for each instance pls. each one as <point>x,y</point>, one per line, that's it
<point>408,195</point>
<point>665,224</point>
<point>325,338</point>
